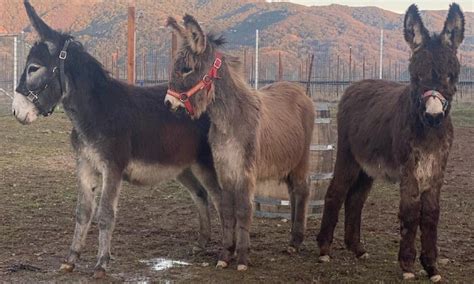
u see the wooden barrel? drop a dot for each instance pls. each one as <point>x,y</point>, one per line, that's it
<point>272,198</point>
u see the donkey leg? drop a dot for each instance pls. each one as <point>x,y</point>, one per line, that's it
<point>409,215</point>
<point>244,213</point>
<point>228,221</point>
<point>429,232</point>
<point>112,179</point>
<point>84,211</point>
<point>354,203</point>
<point>299,193</point>
<point>345,174</point>
<point>199,196</point>
<point>206,175</point>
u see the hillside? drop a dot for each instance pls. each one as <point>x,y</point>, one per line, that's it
<point>295,30</point>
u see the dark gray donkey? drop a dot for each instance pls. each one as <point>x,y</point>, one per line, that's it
<point>119,131</point>
<point>402,133</point>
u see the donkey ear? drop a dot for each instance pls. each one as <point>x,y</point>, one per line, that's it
<point>453,32</point>
<point>47,34</point>
<point>414,31</point>
<point>195,35</point>
<point>171,22</point>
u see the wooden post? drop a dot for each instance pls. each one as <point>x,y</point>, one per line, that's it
<point>280,68</point>
<point>363,68</point>
<point>308,84</point>
<point>131,45</point>
<point>337,77</point>
<point>350,63</point>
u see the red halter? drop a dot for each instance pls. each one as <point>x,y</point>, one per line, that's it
<point>205,82</point>
<point>435,94</point>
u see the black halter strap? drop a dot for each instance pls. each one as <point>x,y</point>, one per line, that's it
<point>33,95</point>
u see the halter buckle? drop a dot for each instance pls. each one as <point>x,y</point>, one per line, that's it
<point>32,97</point>
<point>217,63</point>
<point>63,54</point>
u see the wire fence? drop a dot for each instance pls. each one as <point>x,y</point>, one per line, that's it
<point>326,75</point>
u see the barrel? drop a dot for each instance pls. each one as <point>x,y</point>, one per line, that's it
<point>272,198</point>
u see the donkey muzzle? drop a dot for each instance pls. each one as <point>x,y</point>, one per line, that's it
<point>24,110</point>
<point>435,107</point>
<point>173,103</point>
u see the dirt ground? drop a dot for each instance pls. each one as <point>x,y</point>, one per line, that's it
<point>37,203</point>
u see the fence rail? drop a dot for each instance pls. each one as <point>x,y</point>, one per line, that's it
<point>328,74</point>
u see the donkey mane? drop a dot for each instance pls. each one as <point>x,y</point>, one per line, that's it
<point>82,60</point>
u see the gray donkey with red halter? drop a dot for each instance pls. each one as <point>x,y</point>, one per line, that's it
<point>401,133</point>
<point>254,135</point>
<point>120,132</point>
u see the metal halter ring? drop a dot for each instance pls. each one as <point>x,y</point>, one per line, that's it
<point>206,79</point>
<point>183,97</point>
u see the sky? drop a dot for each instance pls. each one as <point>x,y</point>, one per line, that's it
<point>398,6</point>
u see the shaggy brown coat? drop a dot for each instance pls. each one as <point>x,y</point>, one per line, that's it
<point>388,130</point>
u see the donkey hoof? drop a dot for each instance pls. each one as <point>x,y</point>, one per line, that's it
<point>324,258</point>
<point>99,273</point>
<point>423,272</point>
<point>242,267</point>
<point>408,276</point>
<point>66,267</point>
<point>364,256</point>
<point>221,264</point>
<point>435,278</point>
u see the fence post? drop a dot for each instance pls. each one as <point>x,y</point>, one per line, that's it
<point>363,68</point>
<point>15,62</point>
<point>337,77</point>
<point>280,67</point>
<point>350,63</point>
<point>131,45</point>
<point>309,76</point>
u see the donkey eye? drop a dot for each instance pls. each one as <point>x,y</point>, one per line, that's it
<point>33,68</point>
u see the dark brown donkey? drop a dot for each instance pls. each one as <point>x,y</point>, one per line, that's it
<point>402,133</point>
<point>119,132</point>
<point>254,135</point>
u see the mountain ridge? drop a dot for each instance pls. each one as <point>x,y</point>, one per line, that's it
<point>292,29</point>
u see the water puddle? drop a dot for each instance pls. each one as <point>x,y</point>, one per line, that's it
<point>160,264</point>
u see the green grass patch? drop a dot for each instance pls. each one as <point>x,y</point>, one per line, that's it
<point>463,114</point>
